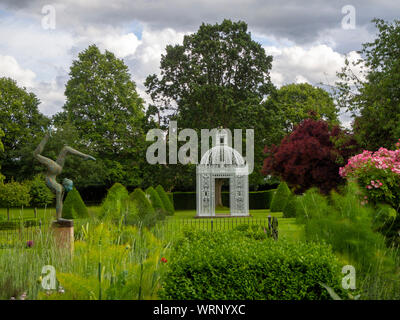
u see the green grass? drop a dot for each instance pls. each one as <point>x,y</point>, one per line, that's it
<point>286,226</point>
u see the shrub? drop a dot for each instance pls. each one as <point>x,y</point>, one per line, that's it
<point>345,224</point>
<point>280,198</point>
<point>156,202</point>
<point>310,156</point>
<point>14,194</point>
<point>164,198</point>
<point>269,194</point>
<point>74,207</point>
<point>115,205</point>
<point>290,208</point>
<point>146,214</point>
<point>40,194</point>
<point>231,265</point>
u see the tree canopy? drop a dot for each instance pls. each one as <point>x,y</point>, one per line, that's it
<point>21,123</point>
<point>106,111</point>
<point>218,76</point>
<point>296,102</point>
<point>373,94</point>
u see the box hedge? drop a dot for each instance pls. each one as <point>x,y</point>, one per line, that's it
<point>156,202</point>
<point>257,199</point>
<point>290,208</point>
<point>231,265</point>
<point>280,198</point>
<point>74,207</point>
<point>146,215</point>
<point>168,205</point>
<point>115,204</point>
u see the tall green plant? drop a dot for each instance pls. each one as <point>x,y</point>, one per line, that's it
<point>347,225</point>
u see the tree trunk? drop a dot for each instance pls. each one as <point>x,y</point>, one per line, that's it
<point>218,192</point>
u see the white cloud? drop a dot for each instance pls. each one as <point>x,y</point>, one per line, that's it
<point>316,64</point>
<point>9,67</point>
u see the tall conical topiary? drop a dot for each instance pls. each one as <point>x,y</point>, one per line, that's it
<point>115,203</point>
<point>290,209</point>
<point>169,207</point>
<point>73,206</point>
<point>156,202</point>
<point>280,198</point>
<point>145,211</point>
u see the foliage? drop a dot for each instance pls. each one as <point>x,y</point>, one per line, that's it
<point>281,197</point>
<point>116,203</point>
<point>40,194</point>
<point>168,204</point>
<point>299,101</point>
<point>368,87</point>
<point>310,156</point>
<point>128,259</point>
<point>156,202</point>
<point>347,226</point>
<point>21,122</point>
<point>378,173</point>
<point>232,265</point>
<point>107,112</point>
<point>290,209</point>
<point>146,214</point>
<point>269,196</point>
<point>73,206</point>
<point>14,194</point>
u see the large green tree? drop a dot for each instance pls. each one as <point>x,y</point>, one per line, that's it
<point>217,77</point>
<point>107,112</point>
<point>370,88</point>
<point>22,124</point>
<point>296,102</point>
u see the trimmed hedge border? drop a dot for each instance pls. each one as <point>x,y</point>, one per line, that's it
<point>257,199</point>
<point>16,224</point>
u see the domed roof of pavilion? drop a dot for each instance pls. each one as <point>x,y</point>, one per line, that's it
<point>222,155</point>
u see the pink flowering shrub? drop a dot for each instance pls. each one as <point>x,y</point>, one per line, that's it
<point>378,172</point>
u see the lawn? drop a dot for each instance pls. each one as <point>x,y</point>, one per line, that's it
<point>287,226</point>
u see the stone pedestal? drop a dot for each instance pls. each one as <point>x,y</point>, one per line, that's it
<point>63,231</point>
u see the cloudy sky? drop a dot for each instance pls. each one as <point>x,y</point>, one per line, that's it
<point>307,39</point>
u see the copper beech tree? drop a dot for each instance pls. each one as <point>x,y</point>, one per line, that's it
<point>310,156</point>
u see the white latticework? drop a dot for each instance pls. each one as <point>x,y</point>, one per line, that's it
<point>222,161</point>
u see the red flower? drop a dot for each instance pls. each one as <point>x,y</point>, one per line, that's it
<point>163,260</point>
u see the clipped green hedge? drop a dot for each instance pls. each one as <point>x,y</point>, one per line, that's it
<point>234,266</point>
<point>156,202</point>
<point>115,204</point>
<point>171,198</point>
<point>290,208</point>
<point>146,215</point>
<point>257,199</point>
<point>74,207</point>
<point>280,198</point>
<point>17,224</point>
<point>168,205</point>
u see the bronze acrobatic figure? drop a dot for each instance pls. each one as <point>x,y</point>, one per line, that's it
<point>54,168</point>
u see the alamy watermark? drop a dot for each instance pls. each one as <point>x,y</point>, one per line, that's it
<point>49,18</point>
<point>349,20</point>
<point>188,152</point>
